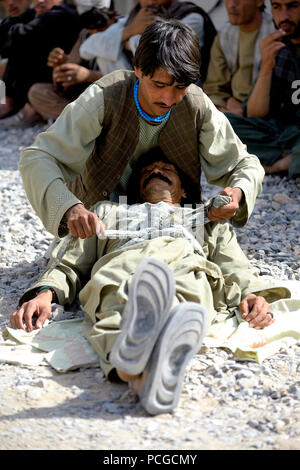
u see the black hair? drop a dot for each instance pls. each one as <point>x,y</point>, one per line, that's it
<point>157,155</point>
<point>96,18</point>
<point>262,8</point>
<point>172,45</point>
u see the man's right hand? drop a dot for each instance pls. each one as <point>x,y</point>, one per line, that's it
<point>143,19</point>
<point>269,47</point>
<point>57,57</point>
<point>39,306</point>
<point>83,223</point>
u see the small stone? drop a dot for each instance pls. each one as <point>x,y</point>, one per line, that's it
<point>244,374</point>
<point>214,370</point>
<point>33,394</point>
<point>275,205</point>
<point>276,395</point>
<point>282,198</point>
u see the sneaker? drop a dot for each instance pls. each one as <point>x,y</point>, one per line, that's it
<point>179,341</point>
<point>150,300</point>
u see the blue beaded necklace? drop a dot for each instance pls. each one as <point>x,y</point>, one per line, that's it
<point>142,113</point>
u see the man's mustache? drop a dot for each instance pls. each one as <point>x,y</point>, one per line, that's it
<point>156,175</point>
<point>165,105</point>
<point>287,22</point>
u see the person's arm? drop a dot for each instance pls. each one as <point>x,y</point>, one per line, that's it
<point>65,280</point>
<point>58,155</point>
<point>107,48</point>
<point>256,311</point>
<point>140,22</point>
<point>226,163</point>
<point>5,26</point>
<point>259,101</point>
<point>40,27</point>
<point>39,307</point>
<point>196,22</point>
<point>72,74</point>
<point>57,57</point>
<point>241,278</point>
<point>105,44</point>
<point>218,81</point>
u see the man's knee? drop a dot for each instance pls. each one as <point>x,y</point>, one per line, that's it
<point>45,100</point>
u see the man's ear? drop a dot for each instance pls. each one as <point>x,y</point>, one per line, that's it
<point>138,72</point>
<point>183,193</point>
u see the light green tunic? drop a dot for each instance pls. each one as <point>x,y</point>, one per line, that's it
<point>220,83</point>
<point>102,270</point>
<point>60,153</point>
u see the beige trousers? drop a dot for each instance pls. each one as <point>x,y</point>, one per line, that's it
<point>46,101</point>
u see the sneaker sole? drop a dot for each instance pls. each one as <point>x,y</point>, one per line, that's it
<point>150,300</point>
<point>179,341</point>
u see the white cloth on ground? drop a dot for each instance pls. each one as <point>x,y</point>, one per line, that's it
<point>61,344</point>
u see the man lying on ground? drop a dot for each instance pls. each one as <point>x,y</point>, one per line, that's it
<point>151,290</point>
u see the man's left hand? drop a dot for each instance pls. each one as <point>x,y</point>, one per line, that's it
<point>255,310</point>
<point>70,74</point>
<point>229,210</point>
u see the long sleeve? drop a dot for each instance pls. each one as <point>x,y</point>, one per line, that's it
<point>194,20</point>
<point>59,154</point>
<point>73,270</point>
<point>226,162</point>
<point>106,47</point>
<point>5,26</point>
<point>69,274</point>
<point>59,21</point>
<point>218,81</point>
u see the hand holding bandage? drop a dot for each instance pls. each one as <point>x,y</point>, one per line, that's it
<point>227,211</point>
<point>82,223</point>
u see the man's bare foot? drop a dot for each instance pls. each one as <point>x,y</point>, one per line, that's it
<point>280,165</point>
<point>7,108</point>
<point>26,117</point>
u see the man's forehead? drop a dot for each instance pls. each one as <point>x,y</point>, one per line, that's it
<point>285,2</point>
<point>158,163</point>
<point>161,76</point>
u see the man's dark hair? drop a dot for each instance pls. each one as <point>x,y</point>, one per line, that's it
<point>96,18</point>
<point>172,45</point>
<point>157,155</point>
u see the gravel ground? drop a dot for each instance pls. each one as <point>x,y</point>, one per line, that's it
<point>224,404</point>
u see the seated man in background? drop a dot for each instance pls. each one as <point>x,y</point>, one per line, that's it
<point>165,310</point>
<point>272,128</point>
<point>235,54</point>
<point>28,43</point>
<point>13,8</point>
<point>71,74</point>
<point>114,49</point>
